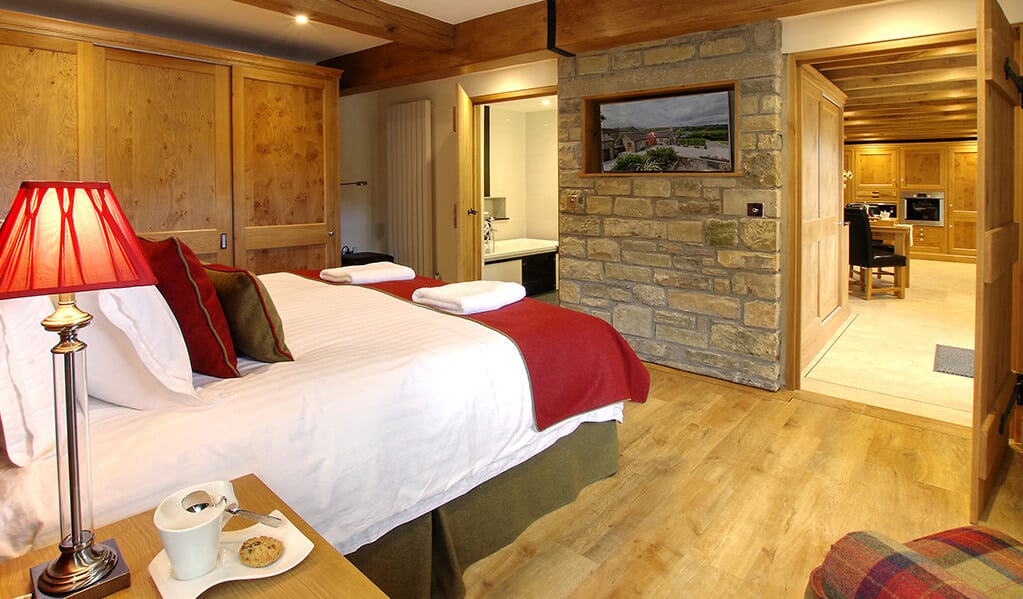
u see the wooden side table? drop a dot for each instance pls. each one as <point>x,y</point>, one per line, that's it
<point>323,573</point>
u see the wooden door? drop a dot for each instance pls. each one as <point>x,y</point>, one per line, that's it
<point>39,139</point>
<point>961,200</point>
<point>286,170</point>
<point>163,140</point>
<point>468,218</point>
<point>823,242</point>
<point>998,249</point>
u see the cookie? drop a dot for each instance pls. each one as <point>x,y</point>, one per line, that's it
<point>259,552</point>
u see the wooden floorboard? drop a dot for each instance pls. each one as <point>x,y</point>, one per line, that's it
<point>728,491</point>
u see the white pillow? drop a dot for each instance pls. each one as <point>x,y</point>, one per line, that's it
<point>26,379</point>
<point>136,356</point>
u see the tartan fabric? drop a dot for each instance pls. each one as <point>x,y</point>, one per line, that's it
<point>968,562</point>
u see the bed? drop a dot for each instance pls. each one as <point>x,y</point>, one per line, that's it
<point>408,437</point>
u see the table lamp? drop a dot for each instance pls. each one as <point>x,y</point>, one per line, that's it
<point>61,238</point>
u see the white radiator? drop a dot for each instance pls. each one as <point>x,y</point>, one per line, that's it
<point>410,186</point>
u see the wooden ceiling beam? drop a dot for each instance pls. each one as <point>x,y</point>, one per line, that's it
<point>958,77</point>
<point>520,34</point>
<point>508,37</point>
<point>881,69</point>
<point>370,17</point>
<point>587,26</point>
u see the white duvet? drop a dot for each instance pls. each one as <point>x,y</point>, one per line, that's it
<point>389,410</point>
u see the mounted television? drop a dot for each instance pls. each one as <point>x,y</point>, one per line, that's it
<point>664,131</point>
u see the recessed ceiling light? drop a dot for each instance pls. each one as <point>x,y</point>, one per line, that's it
<point>301,19</point>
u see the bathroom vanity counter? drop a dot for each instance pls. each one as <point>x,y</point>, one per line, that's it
<point>508,249</point>
<point>532,262</point>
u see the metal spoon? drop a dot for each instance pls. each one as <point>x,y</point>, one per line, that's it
<point>198,500</point>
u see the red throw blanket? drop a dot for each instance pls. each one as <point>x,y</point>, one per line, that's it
<point>576,362</point>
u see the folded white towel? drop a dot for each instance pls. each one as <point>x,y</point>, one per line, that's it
<point>374,272</point>
<point>470,297</point>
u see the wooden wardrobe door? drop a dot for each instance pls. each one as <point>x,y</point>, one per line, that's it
<point>286,170</point>
<point>163,135</point>
<point>40,127</point>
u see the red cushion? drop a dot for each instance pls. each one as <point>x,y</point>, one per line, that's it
<point>192,298</point>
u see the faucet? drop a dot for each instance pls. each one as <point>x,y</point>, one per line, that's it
<point>488,235</point>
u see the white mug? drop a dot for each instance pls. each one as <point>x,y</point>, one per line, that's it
<point>192,539</point>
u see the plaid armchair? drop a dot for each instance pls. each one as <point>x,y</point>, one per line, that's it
<point>972,561</point>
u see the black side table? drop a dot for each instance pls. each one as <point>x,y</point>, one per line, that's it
<point>356,258</point>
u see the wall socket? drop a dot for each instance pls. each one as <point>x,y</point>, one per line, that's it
<point>755,209</point>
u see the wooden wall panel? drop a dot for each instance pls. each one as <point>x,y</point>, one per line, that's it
<point>163,142</point>
<point>39,104</point>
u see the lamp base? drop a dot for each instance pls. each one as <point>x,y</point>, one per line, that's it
<point>116,579</point>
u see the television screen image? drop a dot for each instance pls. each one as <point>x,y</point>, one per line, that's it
<point>677,133</point>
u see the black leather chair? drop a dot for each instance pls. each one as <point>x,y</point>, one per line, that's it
<point>867,257</point>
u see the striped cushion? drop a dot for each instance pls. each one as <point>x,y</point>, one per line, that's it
<point>972,561</point>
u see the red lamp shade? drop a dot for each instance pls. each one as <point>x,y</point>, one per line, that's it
<point>68,236</point>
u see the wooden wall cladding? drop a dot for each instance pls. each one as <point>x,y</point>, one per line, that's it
<point>40,79</point>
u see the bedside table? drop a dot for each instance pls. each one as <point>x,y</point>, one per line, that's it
<point>323,573</point>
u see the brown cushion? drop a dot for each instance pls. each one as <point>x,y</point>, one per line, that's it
<point>183,282</point>
<point>256,327</point>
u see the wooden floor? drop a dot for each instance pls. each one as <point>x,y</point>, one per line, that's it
<point>727,491</point>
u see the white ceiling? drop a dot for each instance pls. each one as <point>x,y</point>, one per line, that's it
<point>239,26</point>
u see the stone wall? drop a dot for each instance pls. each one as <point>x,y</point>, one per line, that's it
<point>672,261</point>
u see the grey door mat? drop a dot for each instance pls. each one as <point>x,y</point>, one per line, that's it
<point>953,360</point>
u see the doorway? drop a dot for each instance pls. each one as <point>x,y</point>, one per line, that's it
<point>516,150</point>
<point>884,354</point>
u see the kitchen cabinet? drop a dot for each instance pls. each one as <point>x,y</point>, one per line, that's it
<point>961,200</point>
<point>928,240</point>
<point>922,168</point>
<point>925,167</point>
<point>876,168</point>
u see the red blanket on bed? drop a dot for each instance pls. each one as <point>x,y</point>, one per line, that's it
<point>576,362</point>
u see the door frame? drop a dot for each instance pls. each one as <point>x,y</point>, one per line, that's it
<point>470,250</point>
<point>792,354</point>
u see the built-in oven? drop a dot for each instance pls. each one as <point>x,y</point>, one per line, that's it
<point>923,208</point>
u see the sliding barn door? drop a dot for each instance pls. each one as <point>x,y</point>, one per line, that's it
<point>467,217</point>
<point>998,248</point>
<point>286,170</point>
<point>163,140</point>
<point>823,242</point>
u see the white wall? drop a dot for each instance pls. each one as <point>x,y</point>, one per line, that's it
<point>362,128</point>
<point>508,169</point>
<point>362,217</point>
<point>541,174</point>
<point>883,21</point>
